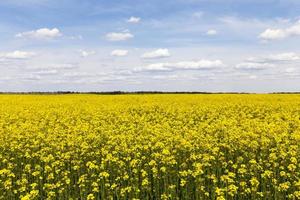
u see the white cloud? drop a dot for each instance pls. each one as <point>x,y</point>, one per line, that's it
<point>86,53</point>
<point>46,72</point>
<point>184,65</point>
<point>134,20</point>
<point>65,66</point>
<point>169,77</point>
<point>159,53</point>
<point>294,30</point>
<point>290,70</point>
<point>277,34</point>
<point>269,61</point>
<point>122,36</point>
<point>253,66</point>
<point>211,32</point>
<point>79,74</point>
<point>156,67</point>
<point>291,56</point>
<point>30,77</point>
<point>17,55</point>
<point>252,77</point>
<point>282,57</point>
<point>198,14</point>
<point>273,34</point>
<point>283,20</point>
<point>238,24</point>
<point>6,78</point>
<point>119,52</point>
<point>43,33</point>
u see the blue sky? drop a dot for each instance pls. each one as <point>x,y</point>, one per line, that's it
<point>178,45</point>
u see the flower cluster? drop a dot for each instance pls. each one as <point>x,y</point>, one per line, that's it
<point>149,147</point>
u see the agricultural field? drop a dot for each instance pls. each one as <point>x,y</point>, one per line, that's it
<point>187,147</point>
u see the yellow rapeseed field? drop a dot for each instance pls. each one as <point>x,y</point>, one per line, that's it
<point>149,147</point>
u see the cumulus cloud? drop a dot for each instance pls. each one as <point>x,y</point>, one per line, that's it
<point>64,66</point>
<point>134,20</point>
<point>184,65</point>
<point>252,77</point>
<point>277,34</point>
<point>253,66</point>
<point>211,32</point>
<point>17,55</point>
<point>159,53</point>
<point>156,67</point>
<point>290,56</point>
<point>46,72</point>
<point>290,70</point>
<point>282,57</point>
<point>273,34</point>
<point>86,53</point>
<point>122,36</point>
<point>119,52</point>
<point>43,33</point>
<point>268,61</point>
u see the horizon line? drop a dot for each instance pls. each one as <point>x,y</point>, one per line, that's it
<point>142,92</point>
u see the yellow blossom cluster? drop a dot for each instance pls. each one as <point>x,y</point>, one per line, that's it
<point>181,147</point>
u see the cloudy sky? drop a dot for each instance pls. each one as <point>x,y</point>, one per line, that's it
<point>131,45</point>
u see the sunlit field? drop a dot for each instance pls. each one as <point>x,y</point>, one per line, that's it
<point>149,147</point>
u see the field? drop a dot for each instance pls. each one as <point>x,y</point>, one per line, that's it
<point>149,147</point>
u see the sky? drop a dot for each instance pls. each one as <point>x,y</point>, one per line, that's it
<point>153,45</point>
